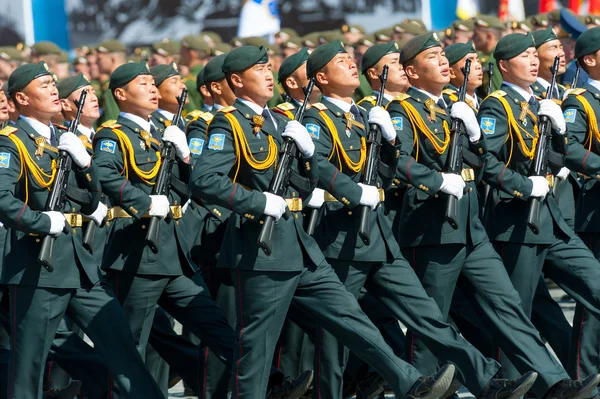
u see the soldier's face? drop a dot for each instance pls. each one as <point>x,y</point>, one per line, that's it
<point>4,111</point>
<point>548,51</point>
<point>257,82</point>
<point>432,67</point>
<point>170,89</point>
<point>5,70</point>
<point>157,59</point>
<point>397,80</point>
<point>522,70</point>
<point>141,94</point>
<point>462,37</point>
<point>476,73</point>
<point>91,110</point>
<point>104,62</point>
<point>341,71</point>
<point>41,96</point>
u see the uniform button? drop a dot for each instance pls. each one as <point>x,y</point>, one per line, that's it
<point>261,222</point>
<point>74,231</point>
<point>261,149</point>
<point>470,189</point>
<point>396,194</point>
<point>349,212</point>
<point>37,240</point>
<point>148,160</point>
<point>143,226</point>
<point>176,223</point>
<point>296,216</point>
<point>436,195</point>
<point>351,147</point>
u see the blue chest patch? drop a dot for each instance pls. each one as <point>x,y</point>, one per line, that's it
<point>313,131</point>
<point>5,160</point>
<point>196,146</point>
<point>397,122</point>
<point>488,125</point>
<point>108,146</point>
<point>216,142</point>
<point>569,115</point>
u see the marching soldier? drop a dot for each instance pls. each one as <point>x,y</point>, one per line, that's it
<point>235,171</point>
<point>339,132</point>
<point>194,54</point>
<point>164,52</point>
<point>39,298</point>
<point>580,109</point>
<point>457,55</point>
<point>110,54</point>
<point>486,33</point>
<point>509,120</point>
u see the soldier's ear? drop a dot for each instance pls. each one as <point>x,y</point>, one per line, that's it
<point>291,83</point>
<point>236,80</point>
<point>21,98</point>
<point>65,104</point>
<point>452,73</point>
<point>589,60</point>
<point>411,71</point>
<point>215,87</point>
<point>119,94</point>
<point>321,78</point>
<point>502,66</point>
<point>372,74</point>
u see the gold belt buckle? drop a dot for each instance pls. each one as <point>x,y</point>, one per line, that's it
<point>295,204</point>
<point>551,180</point>
<point>381,194</point>
<point>73,219</point>
<point>176,210</point>
<point>468,174</point>
<point>110,215</point>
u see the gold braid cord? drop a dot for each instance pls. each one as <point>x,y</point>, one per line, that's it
<point>338,148</point>
<point>592,123</point>
<point>419,125</point>
<point>514,129</point>
<point>128,152</point>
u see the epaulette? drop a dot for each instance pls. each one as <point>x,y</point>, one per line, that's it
<point>361,107</point>
<point>498,94</point>
<point>286,106</point>
<point>371,99</point>
<point>227,110</point>
<point>57,125</point>
<point>448,92</point>
<point>320,106</point>
<point>109,124</point>
<point>205,116</point>
<point>577,91</point>
<point>8,130</point>
<point>401,97</point>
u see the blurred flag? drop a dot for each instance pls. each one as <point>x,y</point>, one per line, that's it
<point>576,5</point>
<point>466,9</point>
<point>594,7</point>
<point>512,10</point>
<point>548,5</point>
<point>259,18</point>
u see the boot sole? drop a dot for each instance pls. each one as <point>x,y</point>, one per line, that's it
<point>585,391</point>
<point>302,388</point>
<point>441,385</point>
<point>455,386</point>
<point>524,387</point>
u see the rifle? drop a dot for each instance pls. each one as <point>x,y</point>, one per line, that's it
<point>58,196</point>
<point>576,77</point>
<point>540,165</point>
<point>163,179</point>
<point>490,72</point>
<point>373,155</point>
<point>455,160</point>
<point>280,181</point>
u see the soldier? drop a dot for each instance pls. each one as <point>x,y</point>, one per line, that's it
<point>463,30</point>
<point>194,54</point>
<point>235,171</point>
<point>110,55</point>
<point>580,109</point>
<point>10,59</point>
<point>207,100</point>
<point>292,77</point>
<point>457,55</point>
<point>164,52</point>
<point>379,267</point>
<point>38,297</point>
<point>47,51</point>
<point>509,119</point>
<point>352,33</point>
<point>486,33</point>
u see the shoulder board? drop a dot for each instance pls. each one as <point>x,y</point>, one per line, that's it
<point>371,99</point>
<point>110,124</point>
<point>578,91</point>
<point>401,97</point>
<point>60,126</point>
<point>361,107</point>
<point>320,106</point>
<point>227,110</point>
<point>8,130</point>
<point>286,106</point>
<point>206,116</point>
<point>498,94</point>
<point>448,92</point>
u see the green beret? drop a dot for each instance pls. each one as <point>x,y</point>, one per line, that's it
<point>244,57</point>
<point>488,21</point>
<point>311,40</point>
<point>162,72</point>
<point>199,80</point>
<point>45,48</point>
<point>10,54</point>
<point>457,51</point>
<point>68,85</point>
<point>512,45</point>
<point>126,73</point>
<point>417,45</point>
<point>322,55</point>
<point>111,46</point>
<point>377,52</point>
<point>211,37</point>
<point>221,48</point>
<point>292,63</point>
<point>166,47</point>
<point>195,42</point>
<point>522,25</point>
<point>23,75</point>
<point>352,29</point>
<point>410,26</point>
<point>544,36</point>
<point>461,25</point>
<point>384,35</point>
<point>292,42</point>
<point>286,33</point>
<point>213,70</point>
<point>588,42</point>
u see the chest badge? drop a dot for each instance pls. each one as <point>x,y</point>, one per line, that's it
<point>41,144</point>
<point>257,121</point>
<point>146,136</point>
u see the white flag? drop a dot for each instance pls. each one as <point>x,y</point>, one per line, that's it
<point>466,9</point>
<point>516,9</point>
<point>259,18</point>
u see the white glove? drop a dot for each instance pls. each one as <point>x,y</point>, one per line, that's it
<point>57,222</point>
<point>563,173</point>
<point>453,184</point>
<point>540,186</point>
<point>552,110</point>
<point>381,117</point>
<point>185,206</point>
<point>317,198</point>
<point>275,205</point>
<point>297,132</point>
<point>461,110</point>
<point>369,196</point>
<point>160,206</point>
<point>176,136</point>
<point>74,146</point>
<point>99,214</point>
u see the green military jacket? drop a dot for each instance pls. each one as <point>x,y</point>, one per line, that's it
<point>539,91</point>
<point>580,110</point>
<point>194,97</point>
<point>23,196</point>
<point>287,109</point>
<point>337,151</point>
<point>424,155</point>
<point>108,105</point>
<point>509,162</point>
<point>485,59</point>
<point>236,167</point>
<point>127,159</point>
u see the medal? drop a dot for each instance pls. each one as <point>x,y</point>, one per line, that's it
<point>258,122</point>
<point>146,137</point>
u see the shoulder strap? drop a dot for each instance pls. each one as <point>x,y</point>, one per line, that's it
<point>401,97</point>
<point>8,130</point>
<point>320,106</point>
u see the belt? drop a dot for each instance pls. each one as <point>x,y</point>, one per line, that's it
<point>551,180</point>
<point>118,212</point>
<point>330,198</point>
<point>467,174</point>
<point>75,219</point>
<point>295,204</point>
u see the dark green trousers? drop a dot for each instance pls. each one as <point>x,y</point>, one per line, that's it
<point>489,290</point>
<point>36,314</point>
<point>397,288</point>
<point>262,301</point>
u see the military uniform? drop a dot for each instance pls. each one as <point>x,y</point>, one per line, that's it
<point>110,109</point>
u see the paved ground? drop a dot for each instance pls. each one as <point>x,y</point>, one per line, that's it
<point>568,307</point>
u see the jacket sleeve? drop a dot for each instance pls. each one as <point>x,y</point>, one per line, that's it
<point>579,158</point>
